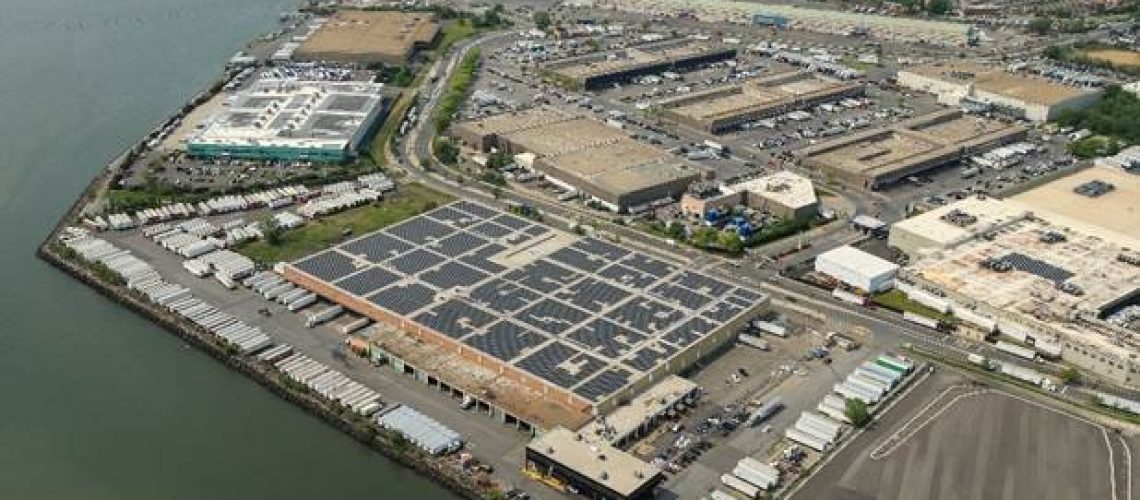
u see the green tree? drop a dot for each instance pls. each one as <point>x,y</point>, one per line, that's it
<point>704,237</point>
<point>939,7</point>
<point>542,19</point>
<point>271,231</point>
<point>857,412</point>
<point>445,150</point>
<point>1040,25</point>
<point>730,242</point>
<point>1071,376</point>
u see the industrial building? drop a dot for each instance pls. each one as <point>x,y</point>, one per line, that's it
<point>597,470</point>
<point>970,85</point>
<point>883,156</point>
<point>799,17</point>
<point>542,328</point>
<point>857,269</point>
<point>783,194</point>
<point>292,120</point>
<point>1040,265</point>
<point>721,109</point>
<point>584,154</point>
<point>369,37</point>
<point>603,69</point>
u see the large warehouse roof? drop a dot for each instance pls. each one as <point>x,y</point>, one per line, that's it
<point>998,81</point>
<point>594,157</point>
<point>369,36</point>
<point>578,314</point>
<point>299,114</point>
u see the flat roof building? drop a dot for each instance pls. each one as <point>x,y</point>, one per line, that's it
<point>591,466</point>
<point>291,120</point>
<point>1031,97</point>
<point>538,325</point>
<point>600,161</point>
<point>721,109</point>
<point>367,37</point>
<point>1047,268</point>
<point>602,69</point>
<point>857,269</point>
<point>799,17</point>
<point>879,157</point>
<point>783,194</point>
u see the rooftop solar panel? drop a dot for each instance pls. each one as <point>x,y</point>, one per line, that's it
<point>552,316</point>
<point>377,247</point>
<point>590,316</point>
<point>367,281</point>
<point>503,296</point>
<point>328,265</point>
<point>453,274</point>
<point>454,318</point>
<point>415,261</point>
<point>403,299</point>
<point>604,384</point>
<point>505,340</point>
<point>420,230</point>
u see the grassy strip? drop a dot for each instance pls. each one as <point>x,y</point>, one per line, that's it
<point>317,234</point>
<point>898,301</point>
<point>457,87</point>
<point>454,32</point>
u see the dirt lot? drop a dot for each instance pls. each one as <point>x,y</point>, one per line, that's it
<point>1116,56</point>
<point>956,441</point>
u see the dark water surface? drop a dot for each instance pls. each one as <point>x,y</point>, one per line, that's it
<point>98,403</point>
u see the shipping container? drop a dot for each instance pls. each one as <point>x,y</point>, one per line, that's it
<point>1016,350</point>
<point>765,411</point>
<point>919,319</point>
<point>753,341</point>
<point>741,486</point>
<point>850,391</point>
<point>808,440</point>
<point>895,363</point>
<point>848,296</point>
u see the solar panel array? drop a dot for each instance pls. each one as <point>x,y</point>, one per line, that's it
<point>591,317</point>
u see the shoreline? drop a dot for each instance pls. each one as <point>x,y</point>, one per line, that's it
<point>358,428</point>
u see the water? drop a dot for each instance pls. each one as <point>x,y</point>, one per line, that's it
<point>98,403</point>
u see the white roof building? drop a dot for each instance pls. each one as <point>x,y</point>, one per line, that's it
<point>857,268</point>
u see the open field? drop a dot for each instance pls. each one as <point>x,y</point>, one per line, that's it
<point>1115,56</point>
<point>962,442</point>
<point>317,234</point>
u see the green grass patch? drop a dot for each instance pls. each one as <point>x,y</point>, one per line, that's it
<point>898,301</point>
<point>457,87</point>
<point>453,32</point>
<point>323,232</point>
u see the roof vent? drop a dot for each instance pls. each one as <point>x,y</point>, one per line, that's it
<point>605,475</point>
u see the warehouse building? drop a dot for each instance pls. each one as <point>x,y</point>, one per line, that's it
<point>586,155</point>
<point>722,109</point>
<point>292,120</point>
<point>783,194</point>
<point>597,470</point>
<point>603,69</point>
<point>542,328</point>
<point>971,85</point>
<point>883,156</point>
<point>857,269</point>
<point>369,37</point>
<point>1043,264</point>
<point>800,17</point>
